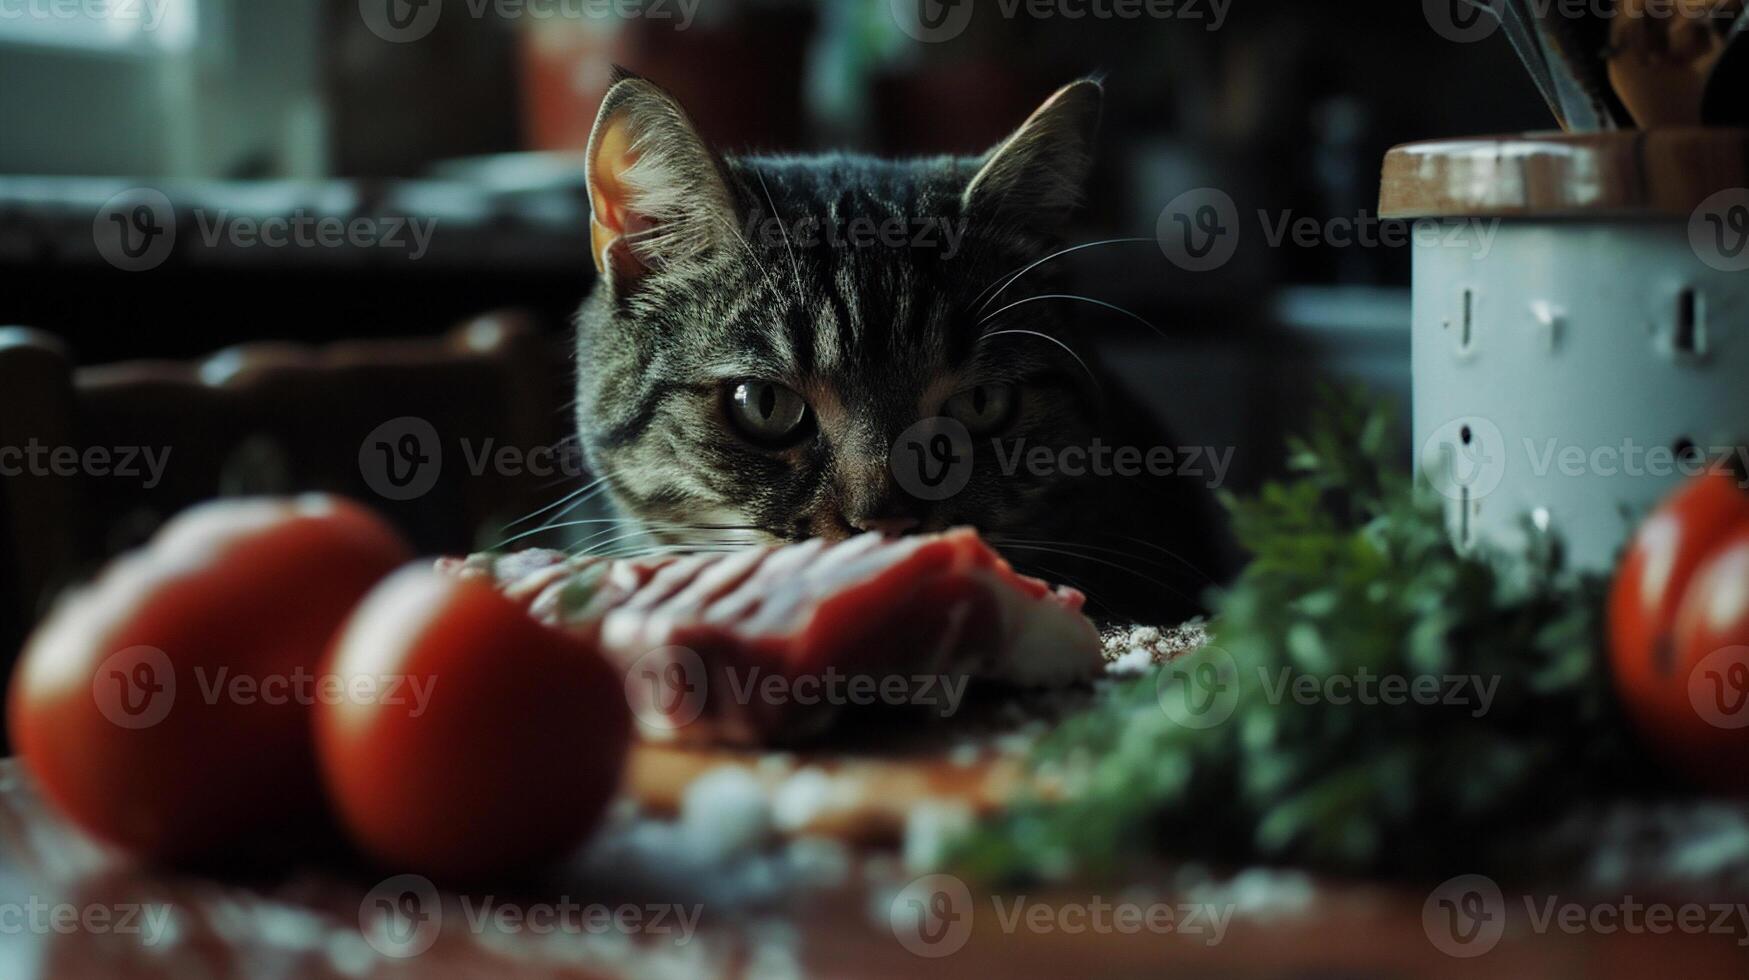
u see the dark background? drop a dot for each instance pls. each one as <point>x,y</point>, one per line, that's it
<point>298,107</point>
<point>1288,106</point>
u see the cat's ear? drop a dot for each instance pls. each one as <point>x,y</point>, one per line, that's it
<point>1037,174</point>
<point>657,193</point>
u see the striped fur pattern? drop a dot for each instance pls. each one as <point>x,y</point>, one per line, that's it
<point>754,268</point>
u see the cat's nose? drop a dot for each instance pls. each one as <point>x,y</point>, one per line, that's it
<point>887,525</point>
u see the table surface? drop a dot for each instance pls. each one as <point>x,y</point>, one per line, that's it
<point>70,908</point>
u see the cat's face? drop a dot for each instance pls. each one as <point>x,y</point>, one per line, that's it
<point>765,330</point>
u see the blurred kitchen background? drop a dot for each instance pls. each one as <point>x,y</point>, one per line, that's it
<point>473,113</point>
<point>263,107</point>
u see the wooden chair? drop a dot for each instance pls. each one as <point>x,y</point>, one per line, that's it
<point>93,459</point>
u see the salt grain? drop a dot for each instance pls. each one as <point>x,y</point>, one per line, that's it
<point>1135,661</point>
<point>819,862</point>
<point>931,827</point>
<point>724,812</point>
<point>801,798</point>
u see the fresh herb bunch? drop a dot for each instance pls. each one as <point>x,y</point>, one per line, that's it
<point>1353,575</point>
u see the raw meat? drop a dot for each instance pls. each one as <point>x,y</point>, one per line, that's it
<point>768,645</point>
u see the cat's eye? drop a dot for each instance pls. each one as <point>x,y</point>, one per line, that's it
<point>984,409</point>
<point>767,413</point>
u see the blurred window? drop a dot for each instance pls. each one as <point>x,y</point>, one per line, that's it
<point>148,25</point>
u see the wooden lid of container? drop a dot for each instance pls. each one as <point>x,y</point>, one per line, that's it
<point>1638,172</point>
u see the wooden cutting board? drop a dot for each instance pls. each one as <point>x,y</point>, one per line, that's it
<point>864,784</point>
<point>859,798</point>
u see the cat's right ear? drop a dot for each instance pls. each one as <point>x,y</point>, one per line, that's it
<point>657,194</point>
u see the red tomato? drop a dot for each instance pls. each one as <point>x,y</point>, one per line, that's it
<point>1712,654</point>
<point>164,707</point>
<point>1649,585</point>
<point>472,740</point>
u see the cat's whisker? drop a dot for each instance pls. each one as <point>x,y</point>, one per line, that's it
<point>1177,560</point>
<point>1079,299</point>
<point>589,493</point>
<point>646,529</point>
<point>1058,575</point>
<point>1168,552</point>
<point>991,297</point>
<point>635,551</point>
<point>635,238</point>
<point>794,267</point>
<point>613,524</point>
<point>601,486</point>
<point>1076,545</point>
<point>590,488</point>
<point>557,503</point>
<point>1045,336</point>
<point>724,534</point>
<point>764,272</point>
<point>582,497</point>
<point>587,545</point>
<point>559,526</point>
<point>1096,560</point>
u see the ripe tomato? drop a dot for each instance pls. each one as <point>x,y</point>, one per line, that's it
<point>160,707</point>
<point>1659,575</point>
<point>1712,653</point>
<point>473,739</point>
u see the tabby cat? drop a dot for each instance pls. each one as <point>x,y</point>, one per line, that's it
<point>764,330</point>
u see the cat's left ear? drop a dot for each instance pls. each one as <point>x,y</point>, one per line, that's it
<point>1037,174</point>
